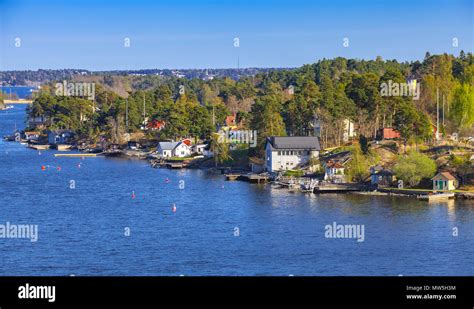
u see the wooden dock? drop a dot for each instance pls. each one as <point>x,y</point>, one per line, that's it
<point>76,154</point>
<point>253,178</point>
<point>338,188</point>
<point>19,101</point>
<point>38,146</point>
<point>436,197</point>
<point>175,165</point>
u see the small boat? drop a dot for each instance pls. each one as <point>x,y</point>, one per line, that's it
<point>232,176</point>
<point>436,197</point>
<point>9,138</point>
<point>62,147</point>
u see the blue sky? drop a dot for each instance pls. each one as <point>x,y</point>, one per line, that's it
<point>200,34</point>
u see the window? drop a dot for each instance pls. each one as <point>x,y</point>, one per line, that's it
<point>279,153</point>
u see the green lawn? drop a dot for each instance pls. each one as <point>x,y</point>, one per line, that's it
<point>179,159</point>
<point>430,190</point>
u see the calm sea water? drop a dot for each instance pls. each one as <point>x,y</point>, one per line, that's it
<point>82,230</point>
<point>22,92</point>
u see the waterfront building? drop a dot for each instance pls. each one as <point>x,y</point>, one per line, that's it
<point>290,152</point>
<point>444,181</point>
<point>56,137</point>
<point>381,177</point>
<point>32,136</point>
<point>173,149</point>
<point>334,172</point>
<point>199,148</point>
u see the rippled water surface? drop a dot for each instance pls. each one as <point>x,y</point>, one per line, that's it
<point>82,230</point>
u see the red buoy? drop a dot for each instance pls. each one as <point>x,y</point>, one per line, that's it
<point>43,167</point>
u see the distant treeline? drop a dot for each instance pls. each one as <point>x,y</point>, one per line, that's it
<point>28,77</point>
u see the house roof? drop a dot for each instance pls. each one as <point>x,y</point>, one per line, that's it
<point>334,165</point>
<point>294,142</point>
<point>168,145</point>
<point>444,176</point>
<point>379,170</point>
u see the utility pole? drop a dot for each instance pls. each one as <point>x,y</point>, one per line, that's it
<point>126,113</point>
<point>437,114</point>
<point>213,116</point>
<point>144,110</point>
<point>443,108</point>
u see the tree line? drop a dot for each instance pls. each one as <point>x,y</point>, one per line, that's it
<point>319,96</point>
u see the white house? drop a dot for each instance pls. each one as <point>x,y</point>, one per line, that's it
<point>199,148</point>
<point>181,150</point>
<point>334,172</point>
<point>173,149</point>
<point>290,152</point>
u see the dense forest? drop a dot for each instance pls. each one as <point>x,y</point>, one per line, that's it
<point>282,102</point>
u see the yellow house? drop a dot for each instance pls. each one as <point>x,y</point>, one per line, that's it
<point>444,181</point>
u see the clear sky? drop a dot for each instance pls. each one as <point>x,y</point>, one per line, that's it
<point>90,34</point>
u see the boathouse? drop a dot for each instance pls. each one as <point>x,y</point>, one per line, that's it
<point>381,177</point>
<point>32,135</point>
<point>60,137</point>
<point>290,152</point>
<point>444,181</point>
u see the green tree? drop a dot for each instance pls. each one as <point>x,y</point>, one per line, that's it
<point>462,111</point>
<point>219,148</point>
<point>413,167</point>
<point>364,145</point>
<point>266,115</point>
<point>358,167</point>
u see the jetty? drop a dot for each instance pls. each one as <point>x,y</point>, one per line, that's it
<point>39,147</point>
<point>339,188</point>
<point>19,101</point>
<point>253,178</point>
<point>436,197</point>
<point>76,155</point>
<point>175,165</point>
